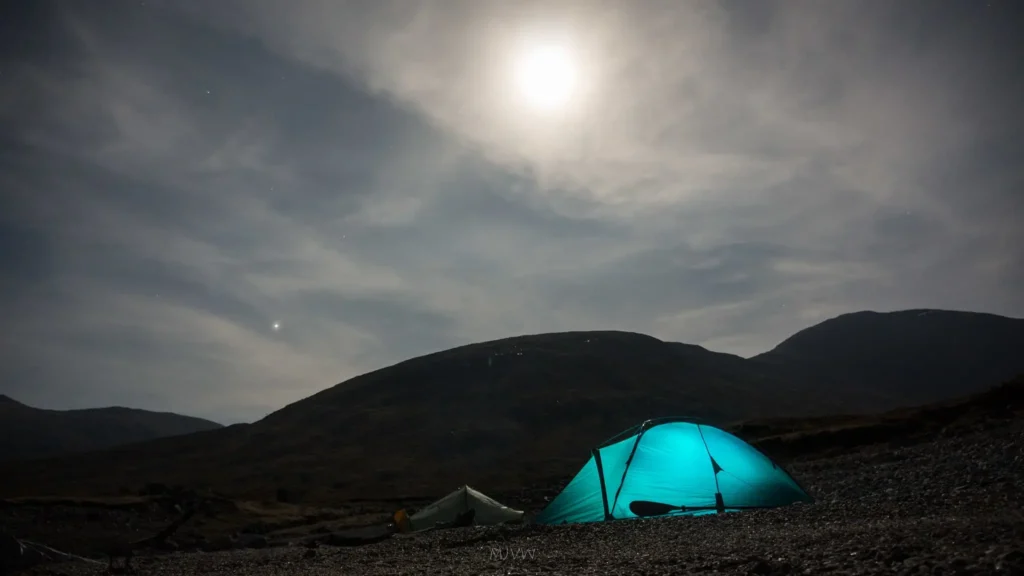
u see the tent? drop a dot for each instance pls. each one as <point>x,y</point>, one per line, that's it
<point>671,467</point>
<point>454,507</point>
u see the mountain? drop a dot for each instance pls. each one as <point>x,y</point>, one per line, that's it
<point>905,358</point>
<point>524,403</point>
<point>27,432</point>
<point>502,413</point>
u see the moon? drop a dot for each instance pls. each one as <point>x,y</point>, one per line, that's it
<point>545,75</point>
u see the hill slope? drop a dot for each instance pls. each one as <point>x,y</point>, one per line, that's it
<point>789,439</point>
<point>27,432</point>
<point>905,358</point>
<point>497,414</point>
<point>518,405</point>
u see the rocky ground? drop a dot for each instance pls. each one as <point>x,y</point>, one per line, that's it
<point>949,506</point>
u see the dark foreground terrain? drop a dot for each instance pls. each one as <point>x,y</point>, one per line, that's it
<point>948,503</point>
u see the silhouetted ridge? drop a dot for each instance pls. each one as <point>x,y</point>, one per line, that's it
<point>910,356</point>
<point>493,413</point>
<point>8,400</point>
<point>29,432</point>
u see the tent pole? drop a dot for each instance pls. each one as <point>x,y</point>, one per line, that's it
<point>600,476</point>
<point>639,435</point>
<point>719,501</point>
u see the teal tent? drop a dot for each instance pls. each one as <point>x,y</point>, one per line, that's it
<point>672,467</point>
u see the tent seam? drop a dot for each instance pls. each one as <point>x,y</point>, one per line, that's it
<point>711,460</point>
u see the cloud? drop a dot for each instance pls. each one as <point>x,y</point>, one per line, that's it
<point>181,176</point>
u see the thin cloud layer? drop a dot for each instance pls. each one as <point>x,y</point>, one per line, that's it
<point>181,177</point>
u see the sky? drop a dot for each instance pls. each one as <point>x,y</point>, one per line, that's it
<point>219,208</point>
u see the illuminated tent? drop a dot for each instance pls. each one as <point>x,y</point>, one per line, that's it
<point>672,467</point>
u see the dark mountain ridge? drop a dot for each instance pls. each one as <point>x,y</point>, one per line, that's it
<point>908,357</point>
<point>498,413</point>
<point>28,432</point>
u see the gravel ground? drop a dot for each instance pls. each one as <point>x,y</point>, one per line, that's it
<point>950,506</point>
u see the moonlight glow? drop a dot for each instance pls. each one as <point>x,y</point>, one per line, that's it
<point>546,76</point>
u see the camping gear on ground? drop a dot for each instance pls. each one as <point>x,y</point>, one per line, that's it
<point>463,507</point>
<point>672,467</point>
<point>402,522</point>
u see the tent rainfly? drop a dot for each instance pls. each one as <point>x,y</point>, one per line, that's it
<point>447,510</point>
<point>672,467</point>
